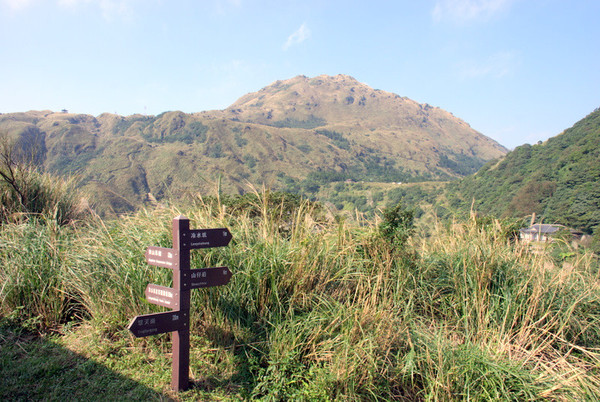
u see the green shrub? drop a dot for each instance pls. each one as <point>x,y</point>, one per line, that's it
<point>397,225</point>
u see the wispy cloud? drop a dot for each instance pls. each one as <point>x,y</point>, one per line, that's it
<point>461,11</point>
<point>222,7</point>
<point>498,65</point>
<point>302,34</point>
<point>111,9</point>
<point>17,4</point>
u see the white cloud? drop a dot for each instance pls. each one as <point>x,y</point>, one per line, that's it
<point>302,34</point>
<point>223,7</point>
<point>111,9</point>
<point>17,4</point>
<point>498,65</point>
<point>461,11</point>
<point>69,3</point>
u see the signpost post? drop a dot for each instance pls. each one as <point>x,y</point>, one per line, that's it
<point>177,298</point>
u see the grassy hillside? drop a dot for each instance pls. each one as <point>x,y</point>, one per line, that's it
<point>294,135</point>
<point>316,310</point>
<point>557,180</point>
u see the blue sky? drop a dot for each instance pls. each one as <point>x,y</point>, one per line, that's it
<point>518,71</point>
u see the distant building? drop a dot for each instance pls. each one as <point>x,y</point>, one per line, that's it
<point>539,232</point>
<point>547,232</point>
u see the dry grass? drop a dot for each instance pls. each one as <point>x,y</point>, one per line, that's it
<point>319,309</point>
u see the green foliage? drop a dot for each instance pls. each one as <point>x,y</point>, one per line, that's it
<point>382,169</point>
<point>324,176</point>
<point>378,196</point>
<point>65,163</point>
<point>351,200</point>
<point>310,187</point>
<point>239,140</point>
<point>188,133</point>
<point>250,161</point>
<point>397,225</point>
<point>305,148</point>
<point>71,150</point>
<point>557,180</point>
<point>595,243</point>
<point>310,123</point>
<point>195,132</point>
<point>461,164</point>
<point>412,196</point>
<point>531,197</point>
<point>214,150</point>
<point>371,169</point>
<point>123,124</point>
<point>338,139</point>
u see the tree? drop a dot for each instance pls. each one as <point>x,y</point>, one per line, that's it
<point>26,191</point>
<point>397,225</point>
<point>12,172</point>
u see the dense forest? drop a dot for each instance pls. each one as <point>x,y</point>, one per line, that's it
<point>558,180</point>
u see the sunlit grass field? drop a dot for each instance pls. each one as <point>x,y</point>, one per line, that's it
<point>317,309</point>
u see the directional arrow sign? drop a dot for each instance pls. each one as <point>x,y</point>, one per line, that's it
<point>204,277</point>
<point>162,296</point>
<point>162,257</point>
<point>205,238</point>
<point>158,323</point>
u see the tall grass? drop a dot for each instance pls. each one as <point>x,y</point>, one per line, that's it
<point>32,272</point>
<point>38,212</point>
<point>26,192</point>
<point>325,309</point>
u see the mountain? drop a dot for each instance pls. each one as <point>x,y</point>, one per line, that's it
<point>425,138</point>
<point>558,180</point>
<point>291,135</point>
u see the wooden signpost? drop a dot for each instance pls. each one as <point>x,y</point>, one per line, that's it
<point>177,298</point>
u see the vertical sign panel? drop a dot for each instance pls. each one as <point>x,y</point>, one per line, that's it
<point>180,375</point>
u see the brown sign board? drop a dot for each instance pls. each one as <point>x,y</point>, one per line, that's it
<point>158,323</point>
<point>162,257</point>
<point>204,277</point>
<point>206,238</point>
<point>162,296</point>
<point>178,297</point>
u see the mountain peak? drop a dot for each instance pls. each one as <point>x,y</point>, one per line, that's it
<point>343,103</point>
<point>336,99</point>
<point>318,80</point>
